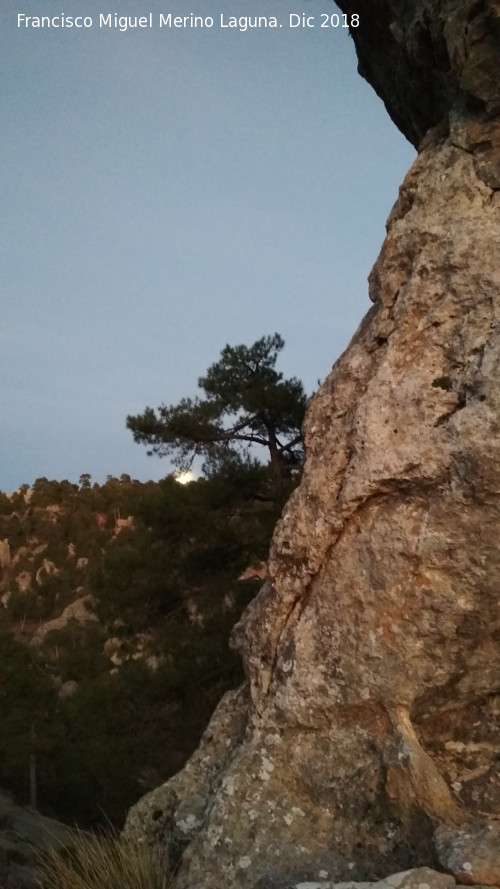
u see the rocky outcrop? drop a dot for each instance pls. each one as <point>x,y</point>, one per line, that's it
<point>24,833</point>
<point>176,810</point>
<point>4,554</point>
<point>426,58</point>
<point>79,611</point>
<point>373,652</point>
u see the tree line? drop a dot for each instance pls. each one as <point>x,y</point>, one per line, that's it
<point>169,577</point>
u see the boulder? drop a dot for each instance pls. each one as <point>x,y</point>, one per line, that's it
<point>78,610</point>
<point>24,832</point>
<point>471,853</point>
<point>4,554</point>
<point>419,878</point>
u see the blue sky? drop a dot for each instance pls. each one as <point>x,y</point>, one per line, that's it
<point>165,192</point>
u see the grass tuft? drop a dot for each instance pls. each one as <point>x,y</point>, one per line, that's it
<point>104,861</point>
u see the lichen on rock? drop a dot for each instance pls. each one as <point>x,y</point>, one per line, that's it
<point>373,651</point>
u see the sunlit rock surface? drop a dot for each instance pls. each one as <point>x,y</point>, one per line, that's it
<point>373,654</point>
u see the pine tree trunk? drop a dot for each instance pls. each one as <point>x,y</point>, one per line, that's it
<point>32,767</point>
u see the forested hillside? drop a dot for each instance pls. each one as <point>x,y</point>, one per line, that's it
<point>117,602</point>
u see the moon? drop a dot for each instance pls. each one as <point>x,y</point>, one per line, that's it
<point>185,477</point>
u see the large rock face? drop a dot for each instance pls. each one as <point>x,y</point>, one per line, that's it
<point>373,652</point>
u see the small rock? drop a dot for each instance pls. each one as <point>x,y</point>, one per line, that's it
<point>417,878</point>
<point>471,852</point>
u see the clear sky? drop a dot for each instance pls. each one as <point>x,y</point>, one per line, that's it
<point>166,191</point>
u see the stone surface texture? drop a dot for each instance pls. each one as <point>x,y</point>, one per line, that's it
<point>471,853</point>
<point>427,57</point>
<point>23,834</point>
<point>419,878</point>
<point>373,651</point>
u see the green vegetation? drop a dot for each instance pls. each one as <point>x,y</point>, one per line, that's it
<point>149,666</point>
<point>103,861</point>
<point>117,603</point>
<point>27,707</point>
<point>246,402</point>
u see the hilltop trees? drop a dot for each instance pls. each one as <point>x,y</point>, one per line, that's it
<point>152,661</point>
<point>246,402</point>
<point>163,589</point>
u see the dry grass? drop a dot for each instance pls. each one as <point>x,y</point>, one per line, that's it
<point>104,861</point>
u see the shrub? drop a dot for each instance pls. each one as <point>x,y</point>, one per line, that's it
<point>104,861</point>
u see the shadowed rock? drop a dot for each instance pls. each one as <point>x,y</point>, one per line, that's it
<point>24,833</point>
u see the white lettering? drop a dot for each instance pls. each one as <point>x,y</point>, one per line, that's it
<point>124,22</point>
<point>248,21</point>
<point>301,21</point>
<point>57,21</point>
<point>186,21</point>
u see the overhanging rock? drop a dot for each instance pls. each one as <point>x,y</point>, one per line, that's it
<point>373,654</point>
